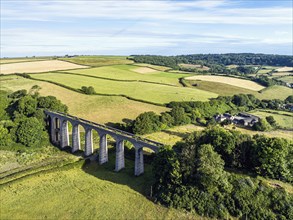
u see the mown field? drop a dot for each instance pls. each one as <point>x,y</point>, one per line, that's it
<point>247,84</point>
<point>82,191</point>
<point>275,92</point>
<point>20,60</point>
<point>154,93</point>
<point>287,79</point>
<point>37,66</point>
<point>100,109</point>
<point>130,72</point>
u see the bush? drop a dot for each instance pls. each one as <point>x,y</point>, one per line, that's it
<point>88,90</point>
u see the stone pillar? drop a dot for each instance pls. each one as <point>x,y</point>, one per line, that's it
<point>52,129</point>
<point>103,152</point>
<point>120,162</point>
<point>75,138</point>
<point>64,135</point>
<point>139,166</point>
<point>88,142</point>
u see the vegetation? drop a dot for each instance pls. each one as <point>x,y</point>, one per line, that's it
<point>88,90</point>
<point>193,176</point>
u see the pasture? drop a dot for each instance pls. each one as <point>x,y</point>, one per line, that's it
<point>247,84</point>
<point>100,109</point>
<point>287,79</point>
<point>282,118</point>
<point>96,61</point>
<point>84,191</point>
<point>155,67</point>
<point>274,92</point>
<point>194,66</point>
<point>128,72</point>
<point>154,93</point>
<point>38,66</point>
<point>284,69</point>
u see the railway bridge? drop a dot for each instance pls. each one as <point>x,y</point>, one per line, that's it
<point>59,135</point>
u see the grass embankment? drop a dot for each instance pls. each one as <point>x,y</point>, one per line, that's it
<point>155,93</point>
<point>81,191</point>
<point>100,109</point>
<point>96,61</point>
<point>129,72</point>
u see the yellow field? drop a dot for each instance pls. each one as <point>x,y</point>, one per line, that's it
<point>193,66</point>
<point>16,60</point>
<point>247,84</point>
<point>285,69</point>
<point>38,66</point>
<point>144,70</point>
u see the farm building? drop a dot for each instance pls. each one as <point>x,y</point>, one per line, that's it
<point>242,118</point>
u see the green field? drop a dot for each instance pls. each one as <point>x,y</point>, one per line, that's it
<point>127,72</point>
<point>154,93</point>
<point>282,118</point>
<point>95,61</point>
<point>275,92</point>
<point>100,109</point>
<point>287,79</point>
<point>82,191</point>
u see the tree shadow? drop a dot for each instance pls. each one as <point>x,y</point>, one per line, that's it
<point>175,133</point>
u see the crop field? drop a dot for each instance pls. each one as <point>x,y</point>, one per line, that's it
<point>219,88</point>
<point>128,72</point>
<point>282,118</point>
<point>38,66</point>
<point>284,69</point>
<point>247,84</point>
<point>153,93</point>
<point>277,74</point>
<point>84,192</point>
<point>96,61</point>
<point>193,66</point>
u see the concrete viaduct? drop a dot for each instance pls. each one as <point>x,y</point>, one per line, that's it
<point>59,135</point>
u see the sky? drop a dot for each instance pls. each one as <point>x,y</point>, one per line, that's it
<point>96,27</point>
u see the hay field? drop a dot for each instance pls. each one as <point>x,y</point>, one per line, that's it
<point>282,74</point>
<point>38,66</point>
<point>285,69</point>
<point>155,67</point>
<point>125,72</point>
<point>194,66</point>
<point>100,109</point>
<point>275,92</point>
<point>247,84</point>
<point>96,61</point>
<point>154,93</point>
<point>287,79</point>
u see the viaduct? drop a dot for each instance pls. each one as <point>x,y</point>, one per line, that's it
<point>59,135</point>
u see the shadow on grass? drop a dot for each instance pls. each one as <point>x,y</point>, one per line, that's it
<point>141,184</point>
<point>178,134</point>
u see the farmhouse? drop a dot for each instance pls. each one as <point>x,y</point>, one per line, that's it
<point>242,118</point>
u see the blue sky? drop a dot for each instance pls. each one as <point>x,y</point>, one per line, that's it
<point>62,27</point>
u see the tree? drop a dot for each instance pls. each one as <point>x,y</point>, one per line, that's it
<point>52,103</point>
<point>167,120</point>
<point>210,171</point>
<point>262,125</point>
<point>270,119</point>
<point>146,123</point>
<point>4,136</point>
<point>27,105</point>
<point>179,115</point>
<point>289,99</point>
<point>30,132</point>
<point>18,94</point>
<point>88,90</point>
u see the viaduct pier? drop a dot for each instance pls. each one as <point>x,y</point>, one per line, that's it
<point>59,135</point>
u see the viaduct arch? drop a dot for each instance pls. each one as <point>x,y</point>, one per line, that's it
<point>59,135</point>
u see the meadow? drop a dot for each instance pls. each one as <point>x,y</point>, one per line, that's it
<point>37,66</point>
<point>247,84</point>
<point>274,92</point>
<point>153,93</point>
<point>84,191</point>
<point>100,109</point>
<point>287,79</point>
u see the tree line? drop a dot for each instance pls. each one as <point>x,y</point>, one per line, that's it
<point>200,174</point>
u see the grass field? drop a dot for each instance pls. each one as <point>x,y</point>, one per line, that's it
<point>275,92</point>
<point>277,74</point>
<point>154,93</point>
<point>282,120</point>
<point>247,84</point>
<point>20,60</point>
<point>101,109</point>
<point>82,191</point>
<point>96,61</point>
<point>284,69</point>
<point>129,72</point>
<point>38,66</point>
<point>155,67</point>
<point>193,66</point>
<point>219,88</point>
<point>287,79</point>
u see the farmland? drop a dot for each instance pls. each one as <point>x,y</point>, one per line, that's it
<point>101,109</point>
<point>230,81</point>
<point>154,93</point>
<point>275,92</point>
<point>287,79</point>
<point>20,60</point>
<point>38,66</point>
